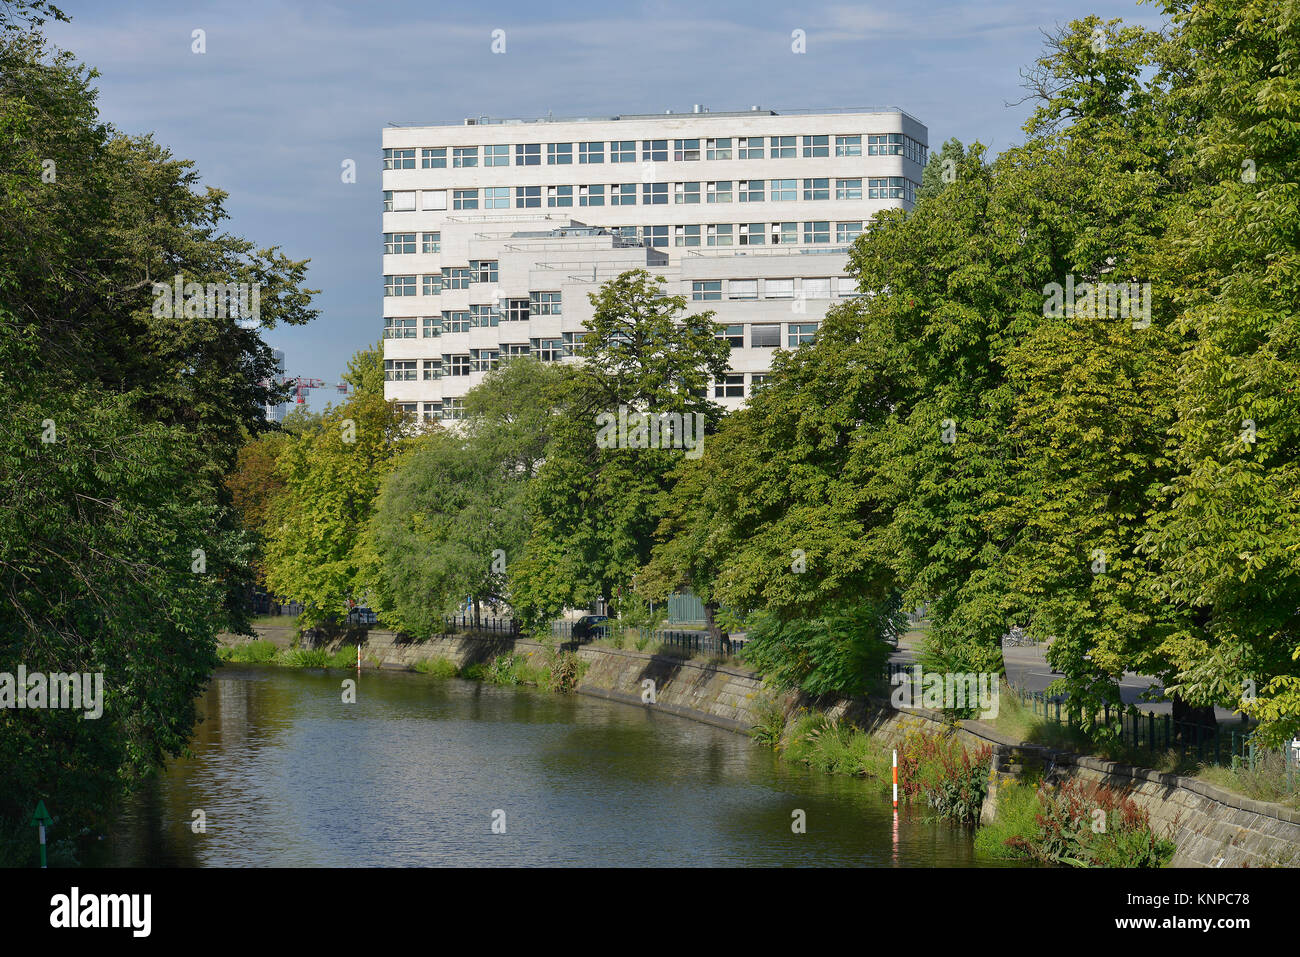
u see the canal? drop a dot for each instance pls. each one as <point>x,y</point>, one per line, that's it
<point>416,771</point>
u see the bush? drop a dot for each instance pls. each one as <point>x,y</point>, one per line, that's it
<point>1082,825</point>
<point>252,652</point>
<point>1017,816</point>
<point>936,767</point>
<point>437,667</point>
<point>564,669</point>
<point>825,745</point>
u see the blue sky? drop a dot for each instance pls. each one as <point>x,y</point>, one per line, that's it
<point>288,90</point>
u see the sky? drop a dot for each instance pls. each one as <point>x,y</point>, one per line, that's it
<point>285,92</point>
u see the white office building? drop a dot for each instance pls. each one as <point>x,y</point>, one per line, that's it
<point>496,231</point>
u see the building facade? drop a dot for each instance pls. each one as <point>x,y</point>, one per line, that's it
<point>495,231</point>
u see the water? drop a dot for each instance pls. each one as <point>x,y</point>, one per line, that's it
<point>413,772</point>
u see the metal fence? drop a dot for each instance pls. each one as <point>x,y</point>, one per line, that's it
<point>690,641</point>
<point>493,626</point>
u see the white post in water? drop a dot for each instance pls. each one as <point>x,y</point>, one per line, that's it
<point>358,659</point>
<point>895,781</point>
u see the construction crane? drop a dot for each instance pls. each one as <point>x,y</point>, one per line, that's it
<point>302,385</point>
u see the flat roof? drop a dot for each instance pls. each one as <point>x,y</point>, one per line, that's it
<point>700,111</point>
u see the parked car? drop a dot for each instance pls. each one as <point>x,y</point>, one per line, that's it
<point>589,627</point>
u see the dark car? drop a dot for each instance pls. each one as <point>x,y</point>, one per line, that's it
<point>589,627</point>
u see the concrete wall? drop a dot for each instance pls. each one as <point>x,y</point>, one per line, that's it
<point>1211,827</point>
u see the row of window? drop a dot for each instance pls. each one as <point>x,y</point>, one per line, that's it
<point>475,317</point>
<point>708,290</point>
<point>480,360</point>
<point>657,151</point>
<point>811,189</point>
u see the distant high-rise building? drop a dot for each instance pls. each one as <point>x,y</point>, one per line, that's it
<point>494,232</point>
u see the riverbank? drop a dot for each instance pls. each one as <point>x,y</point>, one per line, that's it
<point>1210,826</point>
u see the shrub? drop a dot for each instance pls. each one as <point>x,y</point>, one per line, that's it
<point>252,652</point>
<point>564,669</point>
<point>936,767</point>
<point>1017,816</point>
<point>438,667</point>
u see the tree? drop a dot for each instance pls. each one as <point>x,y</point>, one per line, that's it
<point>450,519</point>
<point>316,547</point>
<point>594,503</point>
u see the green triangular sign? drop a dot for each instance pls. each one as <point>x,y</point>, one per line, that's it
<point>40,815</point>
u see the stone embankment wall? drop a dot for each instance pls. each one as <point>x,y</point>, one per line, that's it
<point>1211,827</point>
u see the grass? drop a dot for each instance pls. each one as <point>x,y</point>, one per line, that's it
<point>827,746</point>
<point>1017,813</point>
<point>269,621</point>
<point>437,667</point>
<point>251,652</point>
<point>265,652</point>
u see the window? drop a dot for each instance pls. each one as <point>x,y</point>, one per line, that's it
<point>686,192</point>
<point>622,151</point>
<point>465,199</point>
<point>848,146</point>
<point>433,410</point>
<point>544,303</point>
<point>559,196</point>
<point>751,190</point>
<point>817,232</point>
<point>735,335</point>
<point>528,197</point>
<point>399,328</point>
<point>399,159</point>
<point>757,380</point>
<point>706,290</point>
<point>573,343</point>
<point>913,150</point>
<point>496,197</point>
<point>845,287</point>
<point>457,321</point>
<point>406,408</point>
<point>783,233</point>
<point>498,155</point>
<point>432,328</point>
<point>816,189</point>
<point>785,190</point>
<point>622,194</point>
<point>431,242</point>
<point>484,270</point>
<point>885,144</point>
<point>655,151</point>
<point>431,284</point>
<point>516,310</point>
<point>800,333</point>
<point>782,147</point>
<point>686,235</point>
<point>847,232</point>
<point>654,236</point>
<point>686,151</point>
<point>399,285</point>
<point>742,289</point>
<point>765,336</point>
<point>459,365</point>
<point>891,187</point>
<point>654,194</point>
<point>559,154</point>
<point>550,350</point>
<point>719,235</point>
<point>432,369</point>
<point>591,195</point>
<point>484,317</point>
<point>729,387</point>
<point>400,201</point>
<point>778,288</point>
<point>718,149</point>
<point>453,408</point>
<point>464,156</point>
<point>817,288</point>
<point>750,147</point>
<point>434,158</point>
<point>512,349</point>
<point>458,278</point>
<point>484,360</point>
<point>752,234</point>
<point>591,152</point>
<point>528,154</point>
<point>848,189</point>
<point>432,199</point>
<point>399,370</point>
<point>396,244</point>
<point>720,192</point>
<point>816,146</point>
